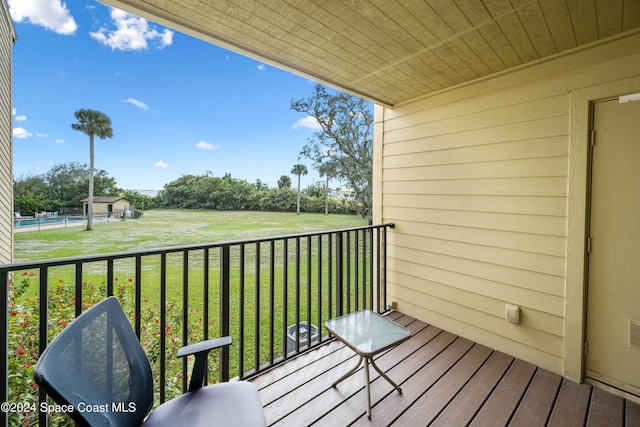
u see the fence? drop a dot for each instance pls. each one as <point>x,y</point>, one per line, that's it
<point>267,294</point>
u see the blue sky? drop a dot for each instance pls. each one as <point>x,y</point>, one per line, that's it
<point>178,105</point>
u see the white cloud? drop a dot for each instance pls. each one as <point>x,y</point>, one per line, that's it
<point>308,122</point>
<point>50,14</point>
<point>137,103</point>
<point>19,118</point>
<point>203,145</point>
<point>132,33</point>
<point>59,141</point>
<point>41,135</point>
<point>261,67</point>
<point>21,133</point>
<point>160,164</point>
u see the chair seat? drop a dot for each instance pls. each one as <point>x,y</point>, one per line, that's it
<point>235,403</point>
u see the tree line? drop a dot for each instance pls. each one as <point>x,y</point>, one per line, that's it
<point>228,193</point>
<point>63,186</point>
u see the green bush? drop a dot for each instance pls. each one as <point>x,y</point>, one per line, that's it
<point>24,338</point>
<point>230,194</point>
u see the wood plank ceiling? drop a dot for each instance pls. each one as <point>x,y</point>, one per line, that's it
<point>392,51</point>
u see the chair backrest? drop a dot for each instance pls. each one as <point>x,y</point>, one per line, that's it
<point>97,365</point>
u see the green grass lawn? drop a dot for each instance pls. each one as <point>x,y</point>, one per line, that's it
<point>167,228</point>
<point>163,228</point>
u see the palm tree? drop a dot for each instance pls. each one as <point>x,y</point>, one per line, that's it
<point>92,122</point>
<point>328,169</point>
<point>299,170</point>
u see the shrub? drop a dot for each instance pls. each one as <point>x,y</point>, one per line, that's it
<point>209,192</point>
<point>24,337</point>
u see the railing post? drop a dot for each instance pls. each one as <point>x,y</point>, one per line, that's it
<point>339,274</point>
<point>309,256</point>
<point>297,295</point>
<point>241,294</point>
<point>138,295</point>
<point>285,295</point>
<point>43,340</point>
<point>257,309</point>
<point>4,319</point>
<point>348,271</point>
<point>225,302</point>
<point>272,302</point>
<point>163,322</point>
<point>371,269</point>
<point>384,266</point>
<point>79,289</point>
<point>185,313</point>
<point>110,277</point>
<point>378,270</point>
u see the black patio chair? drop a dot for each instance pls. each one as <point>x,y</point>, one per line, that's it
<point>97,365</point>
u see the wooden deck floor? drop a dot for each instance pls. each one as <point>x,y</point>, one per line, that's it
<point>446,381</point>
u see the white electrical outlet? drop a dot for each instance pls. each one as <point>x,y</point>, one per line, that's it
<point>512,313</point>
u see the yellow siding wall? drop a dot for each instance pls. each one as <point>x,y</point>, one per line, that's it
<point>7,37</point>
<point>476,180</point>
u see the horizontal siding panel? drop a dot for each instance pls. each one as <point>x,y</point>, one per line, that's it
<point>476,114</point>
<point>526,131</point>
<point>412,274</point>
<point>523,242</point>
<point>445,106</point>
<point>529,205</point>
<point>463,149</point>
<point>552,325</point>
<point>5,256</point>
<point>545,225</point>
<point>538,167</point>
<point>547,343</point>
<point>545,186</point>
<point>530,280</point>
<point>5,159</point>
<point>544,360</point>
<point>459,126</point>
<point>528,261</point>
<point>6,140</point>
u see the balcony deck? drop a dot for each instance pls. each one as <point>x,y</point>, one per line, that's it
<point>446,380</point>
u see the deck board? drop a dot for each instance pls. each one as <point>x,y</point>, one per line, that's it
<point>502,403</point>
<point>535,407</point>
<point>632,413</point>
<point>605,409</point>
<point>439,396</point>
<point>467,403</point>
<point>571,404</point>
<point>446,380</point>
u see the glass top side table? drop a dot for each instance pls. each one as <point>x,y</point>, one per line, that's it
<point>367,333</point>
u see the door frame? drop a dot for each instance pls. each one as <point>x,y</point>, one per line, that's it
<point>577,217</point>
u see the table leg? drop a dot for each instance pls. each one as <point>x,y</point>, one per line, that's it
<point>342,378</point>
<point>397,387</point>
<point>366,381</point>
